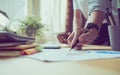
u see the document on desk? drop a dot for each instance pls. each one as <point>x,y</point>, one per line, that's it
<point>65,55</point>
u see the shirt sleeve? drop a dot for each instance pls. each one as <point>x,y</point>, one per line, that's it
<point>101,5</point>
<point>76,4</point>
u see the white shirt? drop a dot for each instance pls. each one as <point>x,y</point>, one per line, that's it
<point>82,5</point>
<point>88,6</point>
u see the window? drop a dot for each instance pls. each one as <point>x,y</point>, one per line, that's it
<point>53,14</point>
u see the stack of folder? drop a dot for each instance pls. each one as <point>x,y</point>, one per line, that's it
<point>15,45</point>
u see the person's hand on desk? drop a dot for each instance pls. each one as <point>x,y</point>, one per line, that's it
<point>62,37</point>
<point>73,38</point>
<point>78,35</point>
<point>82,38</point>
<point>88,37</point>
<point>66,38</point>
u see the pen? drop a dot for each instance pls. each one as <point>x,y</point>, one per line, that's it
<point>110,17</point>
<point>119,15</point>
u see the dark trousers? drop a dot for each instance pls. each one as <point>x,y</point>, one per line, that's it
<point>103,37</point>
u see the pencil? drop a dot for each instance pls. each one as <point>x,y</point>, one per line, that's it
<point>108,19</point>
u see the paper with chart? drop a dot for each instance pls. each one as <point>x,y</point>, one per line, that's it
<point>65,55</point>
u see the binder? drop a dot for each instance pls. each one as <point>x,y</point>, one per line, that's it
<point>11,37</point>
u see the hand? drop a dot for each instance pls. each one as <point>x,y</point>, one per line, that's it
<point>89,36</point>
<point>62,37</point>
<point>72,39</point>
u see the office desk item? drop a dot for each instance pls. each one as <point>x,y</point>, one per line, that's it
<point>4,14</point>
<point>25,66</point>
<point>10,53</point>
<point>10,44</point>
<point>110,17</point>
<point>119,15</point>
<point>89,53</point>
<point>114,35</point>
<point>11,37</point>
<point>51,45</point>
<point>15,53</point>
<point>15,45</point>
<point>18,50</point>
<point>28,66</point>
<point>114,32</point>
<point>66,55</point>
<point>18,47</point>
<point>4,20</point>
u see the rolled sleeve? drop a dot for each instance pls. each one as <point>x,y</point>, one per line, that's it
<point>101,5</point>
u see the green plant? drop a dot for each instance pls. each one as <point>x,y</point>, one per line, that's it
<point>31,26</point>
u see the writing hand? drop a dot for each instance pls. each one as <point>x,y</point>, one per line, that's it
<point>73,40</point>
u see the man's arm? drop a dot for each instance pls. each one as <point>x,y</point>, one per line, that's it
<point>78,24</point>
<point>69,17</point>
<point>97,10</point>
<point>96,17</point>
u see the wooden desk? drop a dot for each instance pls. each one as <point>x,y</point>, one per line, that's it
<point>27,66</point>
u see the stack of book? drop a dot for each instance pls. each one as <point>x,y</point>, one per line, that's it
<point>15,45</point>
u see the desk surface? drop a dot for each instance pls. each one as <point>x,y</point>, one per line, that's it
<point>27,66</point>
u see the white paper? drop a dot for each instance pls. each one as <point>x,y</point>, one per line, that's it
<point>66,55</point>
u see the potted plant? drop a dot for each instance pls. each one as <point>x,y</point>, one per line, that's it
<point>31,26</point>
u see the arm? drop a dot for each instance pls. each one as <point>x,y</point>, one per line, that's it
<point>69,17</point>
<point>97,10</point>
<point>78,23</point>
<point>78,20</point>
<point>96,17</point>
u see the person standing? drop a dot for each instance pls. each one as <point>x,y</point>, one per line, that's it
<point>90,15</point>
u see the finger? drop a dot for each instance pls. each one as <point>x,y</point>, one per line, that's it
<point>58,37</point>
<point>75,39</point>
<point>61,40</point>
<point>68,33</point>
<point>65,41</point>
<point>70,38</point>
